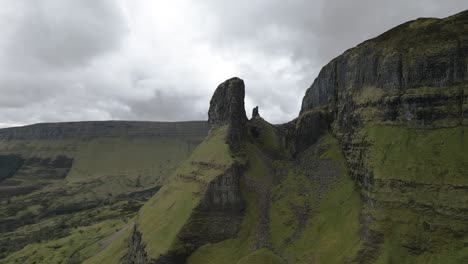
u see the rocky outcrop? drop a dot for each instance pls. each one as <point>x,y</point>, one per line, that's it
<point>413,74</point>
<point>90,129</point>
<point>306,130</point>
<point>227,108</point>
<point>414,77</point>
<point>255,112</point>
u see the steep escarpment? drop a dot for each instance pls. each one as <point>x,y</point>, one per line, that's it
<point>398,106</point>
<point>414,74</point>
<point>93,129</point>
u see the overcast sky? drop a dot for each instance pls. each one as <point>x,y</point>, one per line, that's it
<point>71,60</point>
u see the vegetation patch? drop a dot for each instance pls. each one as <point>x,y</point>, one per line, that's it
<point>329,232</point>
<point>81,243</point>
<point>435,156</point>
<point>164,215</point>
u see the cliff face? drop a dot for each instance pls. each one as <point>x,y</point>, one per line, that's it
<point>93,129</point>
<point>398,104</point>
<point>227,107</point>
<point>414,74</point>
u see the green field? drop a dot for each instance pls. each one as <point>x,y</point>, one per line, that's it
<point>69,217</point>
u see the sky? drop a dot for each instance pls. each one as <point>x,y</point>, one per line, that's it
<point>70,60</point>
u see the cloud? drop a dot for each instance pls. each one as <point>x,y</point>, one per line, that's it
<point>62,33</point>
<point>65,60</point>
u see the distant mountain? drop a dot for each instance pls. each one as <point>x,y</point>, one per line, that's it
<point>65,187</point>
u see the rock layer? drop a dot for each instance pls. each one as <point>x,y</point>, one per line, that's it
<point>227,108</point>
<point>401,87</point>
<point>414,74</point>
<point>91,129</point>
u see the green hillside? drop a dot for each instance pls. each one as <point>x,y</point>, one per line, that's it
<point>373,170</point>
<point>71,194</point>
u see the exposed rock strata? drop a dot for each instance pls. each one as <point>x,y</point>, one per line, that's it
<point>216,218</point>
<point>227,108</point>
<point>89,129</point>
<point>415,76</point>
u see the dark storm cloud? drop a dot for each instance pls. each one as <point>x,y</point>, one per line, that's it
<point>63,60</point>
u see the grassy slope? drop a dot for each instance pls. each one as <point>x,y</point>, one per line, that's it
<point>428,162</point>
<point>81,243</point>
<point>331,232</point>
<point>163,216</point>
<point>329,236</point>
<point>114,252</point>
<point>262,256</point>
<point>424,156</point>
<point>232,250</point>
<point>148,157</point>
<point>103,169</point>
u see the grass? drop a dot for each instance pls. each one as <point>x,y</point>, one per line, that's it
<point>112,253</point>
<point>290,196</point>
<point>267,136</point>
<point>369,95</point>
<point>393,252</point>
<point>331,232</point>
<point>80,244</point>
<point>150,159</point>
<point>424,156</point>
<point>262,256</point>
<point>163,216</point>
<point>231,251</point>
<point>105,171</point>
<point>419,178</point>
<point>330,235</point>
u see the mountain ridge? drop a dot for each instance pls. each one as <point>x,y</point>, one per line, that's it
<point>104,128</point>
<point>373,170</point>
